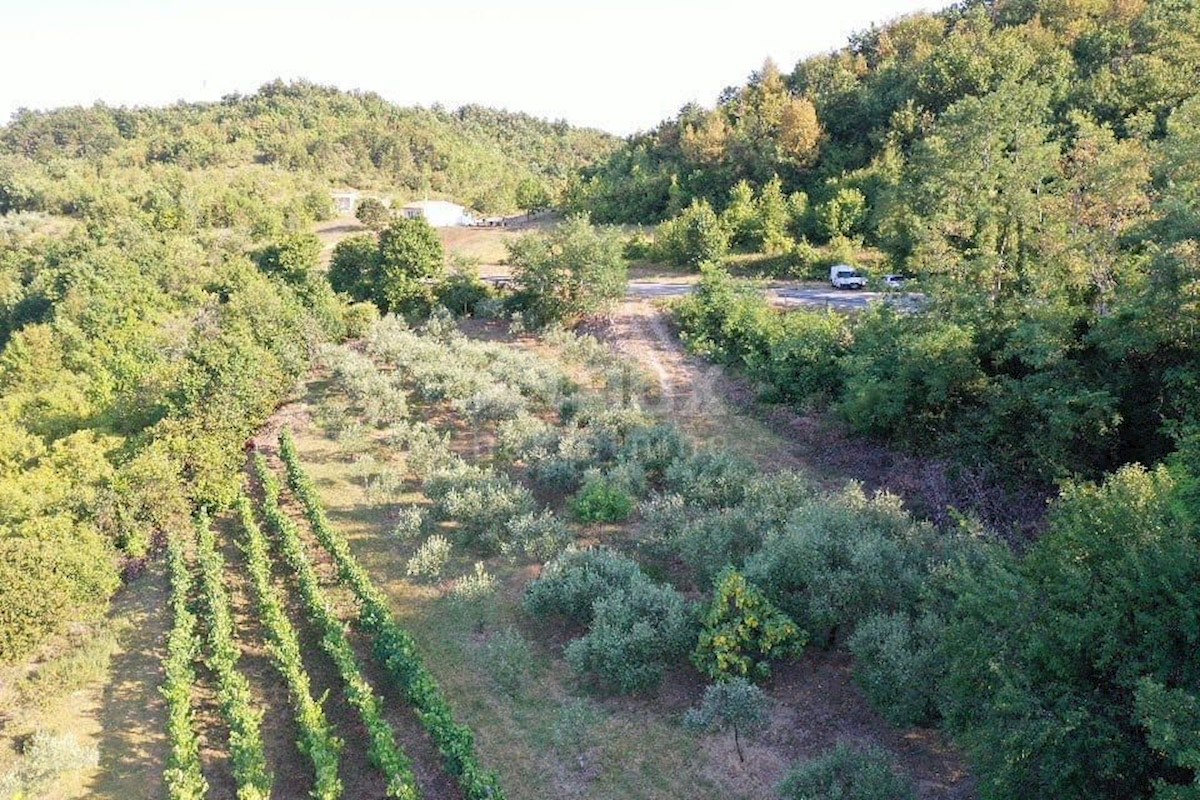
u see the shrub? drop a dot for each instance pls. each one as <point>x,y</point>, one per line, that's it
<point>540,536</point>
<point>410,521</point>
<point>846,773</point>
<point>736,704</point>
<point>710,478</point>
<point>716,540</point>
<point>410,252</point>
<point>635,634</point>
<point>508,658</point>
<point>655,449</point>
<point>372,212</point>
<point>573,725</point>
<point>493,402</point>
<point>572,582</point>
<point>574,270</point>
<point>600,501</point>
<point>803,358</point>
<point>664,516</point>
<point>841,560</point>
<point>430,559</point>
<point>481,501</point>
<point>743,632</point>
<point>693,238</point>
<point>897,664</point>
<point>45,758</point>
<point>462,291</point>
<point>55,574</point>
<point>358,319</point>
<point>479,584</point>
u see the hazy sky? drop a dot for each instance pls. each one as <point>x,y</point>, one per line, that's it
<point>620,65</point>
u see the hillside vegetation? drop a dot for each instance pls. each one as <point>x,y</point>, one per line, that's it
<point>157,301</point>
<point>469,540</point>
<point>52,161</point>
<point>1032,163</point>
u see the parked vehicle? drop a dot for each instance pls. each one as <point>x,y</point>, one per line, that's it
<point>844,276</point>
<point>895,281</point>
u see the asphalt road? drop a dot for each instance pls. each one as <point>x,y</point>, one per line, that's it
<point>785,294</point>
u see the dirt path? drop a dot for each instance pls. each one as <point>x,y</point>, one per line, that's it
<point>719,409</point>
<point>132,712</point>
<point>696,394</point>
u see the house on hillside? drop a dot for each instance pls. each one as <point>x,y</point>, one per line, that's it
<point>345,202</point>
<point>439,213</point>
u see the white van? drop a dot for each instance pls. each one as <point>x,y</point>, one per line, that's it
<point>844,276</point>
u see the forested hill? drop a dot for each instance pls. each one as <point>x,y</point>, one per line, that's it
<point>479,157</point>
<point>851,118</point>
<point>1032,163</point>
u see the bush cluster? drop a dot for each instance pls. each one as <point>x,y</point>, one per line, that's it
<point>636,628</point>
<point>848,773</point>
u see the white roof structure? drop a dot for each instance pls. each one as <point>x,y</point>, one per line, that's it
<point>439,213</point>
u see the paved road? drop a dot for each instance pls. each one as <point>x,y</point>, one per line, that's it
<point>784,294</point>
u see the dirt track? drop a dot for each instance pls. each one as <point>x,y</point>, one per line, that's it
<point>721,409</point>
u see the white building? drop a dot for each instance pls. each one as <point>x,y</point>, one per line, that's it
<point>439,213</point>
<point>345,202</point>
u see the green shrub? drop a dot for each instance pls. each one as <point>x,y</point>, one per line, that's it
<point>1045,656</point>
<point>655,449</point>
<point>477,586</point>
<point>508,659</point>
<point>733,703</point>
<point>58,573</point>
<point>358,319</point>
<point>743,632</point>
<point>715,540</point>
<point>710,478</point>
<point>462,291</point>
<point>572,730</point>
<point>848,773</point>
<point>693,238</point>
<point>842,559</point>
<point>574,270</point>
<point>803,359</point>
<point>636,633</point>
<point>430,559</point>
<point>600,501</point>
<point>897,663</point>
<point>409,523</point>
<point>540,536</point>
<point>571,583</point>
<point>481,501</point>
<point>664,517</point>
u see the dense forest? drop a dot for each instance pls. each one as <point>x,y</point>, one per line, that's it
<point>1031,164</point>
<point>66,160</point>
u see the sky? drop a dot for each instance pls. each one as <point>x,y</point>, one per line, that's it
<point>617,65</point>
